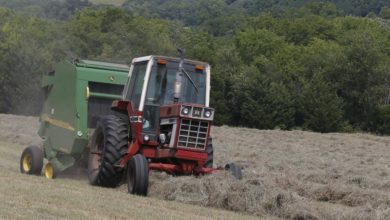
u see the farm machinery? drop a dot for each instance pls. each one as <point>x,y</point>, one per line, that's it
<point>153,115</point>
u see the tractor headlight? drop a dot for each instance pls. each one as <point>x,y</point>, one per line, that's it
<point>185,110</point>
<point>207,113</point>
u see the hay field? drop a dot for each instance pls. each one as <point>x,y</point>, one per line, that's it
<point>287,175</point>
<point>70,196</point>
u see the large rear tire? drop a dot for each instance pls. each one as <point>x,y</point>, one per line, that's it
<point>138,175</point>
<point>31,160</point>
<point>210,154</point>
<point>108,146</point>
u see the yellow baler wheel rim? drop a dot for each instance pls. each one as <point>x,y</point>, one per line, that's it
<point>27,161</point>
<point>49,171</point>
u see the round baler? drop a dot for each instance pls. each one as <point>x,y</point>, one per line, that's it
<point>76,95</point>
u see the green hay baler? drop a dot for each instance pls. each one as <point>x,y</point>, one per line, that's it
<point>76,94</point>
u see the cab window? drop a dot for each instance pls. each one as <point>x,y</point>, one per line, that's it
<point>136,83</point>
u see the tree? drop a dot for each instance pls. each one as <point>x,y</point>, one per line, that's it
<point>363,79</point>
<point>380,120</point>
<point>322,106</point>
<point>385,13</point>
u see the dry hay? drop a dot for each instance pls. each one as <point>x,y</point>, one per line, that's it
<point>19,129</point>
<point>287,174</point>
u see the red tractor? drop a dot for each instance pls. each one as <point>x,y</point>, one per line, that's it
<point>162,123</point>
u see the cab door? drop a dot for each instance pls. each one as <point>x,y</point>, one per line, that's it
<point>135,84</point>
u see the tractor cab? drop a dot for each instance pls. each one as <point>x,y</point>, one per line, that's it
<point>165,91</point>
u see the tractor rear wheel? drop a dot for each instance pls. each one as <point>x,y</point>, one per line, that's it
<point>138,175</point>
<point>210,154</point>
<point>31,161</point>
<point>108,146</point>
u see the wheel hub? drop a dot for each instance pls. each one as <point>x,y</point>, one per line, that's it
<point>27,160</point>
<point>49,171</point>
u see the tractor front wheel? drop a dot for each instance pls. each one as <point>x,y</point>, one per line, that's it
<point>210,154</point>
<point>138,175</point>
<point>31,161</point>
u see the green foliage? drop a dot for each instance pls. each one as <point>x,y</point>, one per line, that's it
<point>380,121</point>
<point>26,46</point>
<point>385,13</point>
<point>112,34</point>
<point>53,9</point>
<point>252,43</point>
<point>363,82</point>
<point>298,65</point>
<point>196,13</point>
<point>322,107</point>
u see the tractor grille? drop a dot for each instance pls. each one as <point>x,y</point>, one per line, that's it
<point>193,134</point>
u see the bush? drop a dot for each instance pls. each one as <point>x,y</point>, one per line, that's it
<point>380,121</point>
<point>322,106</point>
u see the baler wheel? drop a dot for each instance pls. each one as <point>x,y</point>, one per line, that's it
<point>31,161</point>
<point>138,175</point>
<point>49,171</point>
<point>108,146</point>
<point>210,154</point>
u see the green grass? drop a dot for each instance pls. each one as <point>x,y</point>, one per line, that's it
<point>108,2</point>
<point>35,197</point>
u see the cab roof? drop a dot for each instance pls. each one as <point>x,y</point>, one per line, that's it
<point>168,58</point>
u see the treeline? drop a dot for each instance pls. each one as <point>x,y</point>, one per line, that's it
<point>203,11</point>
<point>200,12</point>
<point>47,9</point>
<point>307,68</point>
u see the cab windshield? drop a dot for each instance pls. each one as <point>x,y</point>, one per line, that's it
<point>161,84</point>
